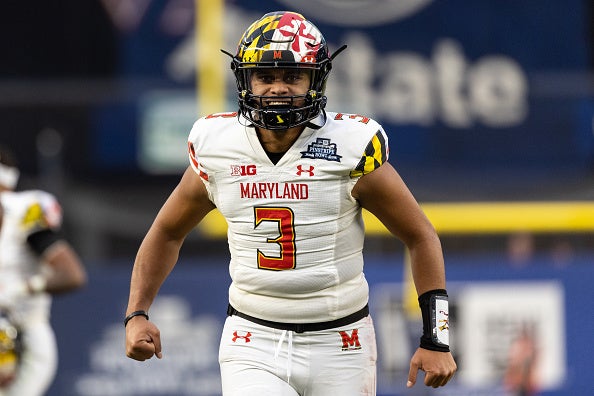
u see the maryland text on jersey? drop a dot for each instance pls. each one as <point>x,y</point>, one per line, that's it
<point>274,190</point>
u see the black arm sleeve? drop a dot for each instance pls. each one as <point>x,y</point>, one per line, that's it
<point>41,240</point>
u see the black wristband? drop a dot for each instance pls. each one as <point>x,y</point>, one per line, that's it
<point>429,339</point>
<point>133,314</point>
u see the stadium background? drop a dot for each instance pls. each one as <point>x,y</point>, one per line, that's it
<point>489,108</point>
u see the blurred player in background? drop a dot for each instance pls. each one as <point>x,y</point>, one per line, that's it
<point>291,180</point>
<point>35,263</point>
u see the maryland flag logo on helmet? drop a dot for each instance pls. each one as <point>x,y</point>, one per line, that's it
<point>282,36</point>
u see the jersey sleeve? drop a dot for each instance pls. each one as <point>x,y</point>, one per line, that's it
<point>194,143</point>
<point>43,212</point>
<point>375,154</point>
<point>192,155</point>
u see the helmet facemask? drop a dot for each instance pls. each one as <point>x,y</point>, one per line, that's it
<point>281,40</point>
<point>275,112</point>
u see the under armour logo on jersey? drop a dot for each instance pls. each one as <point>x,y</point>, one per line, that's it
<point>309,170</point>
<point>245,337</point>
<point>350,342</point>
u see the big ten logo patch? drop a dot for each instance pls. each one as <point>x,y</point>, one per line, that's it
<point>350,342</point>
<point>243,170</point>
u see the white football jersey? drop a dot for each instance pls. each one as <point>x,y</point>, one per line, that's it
<point>295,232</point>
<point>26,212</point>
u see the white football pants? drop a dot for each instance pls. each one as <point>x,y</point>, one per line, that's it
<point>256,360</point>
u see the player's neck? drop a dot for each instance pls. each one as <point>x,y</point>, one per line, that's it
<point>278,141</point>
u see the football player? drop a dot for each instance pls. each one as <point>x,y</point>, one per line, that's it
<point>35,263</point>
<point>291,179</point>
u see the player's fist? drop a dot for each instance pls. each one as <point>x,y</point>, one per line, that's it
<point>439,367</point>
<point>143,340</point>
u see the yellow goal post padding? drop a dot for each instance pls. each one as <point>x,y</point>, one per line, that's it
<point>474,218</point>
<point>211,64</point>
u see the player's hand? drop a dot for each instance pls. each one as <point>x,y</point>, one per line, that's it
<point>143,339</point>
<point>439,367</point>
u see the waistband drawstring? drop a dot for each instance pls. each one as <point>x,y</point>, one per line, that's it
<point>289,351</point>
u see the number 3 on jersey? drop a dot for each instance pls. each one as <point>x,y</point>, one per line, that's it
<point>283,217</point>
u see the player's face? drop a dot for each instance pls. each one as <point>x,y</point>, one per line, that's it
<point>280,82</point>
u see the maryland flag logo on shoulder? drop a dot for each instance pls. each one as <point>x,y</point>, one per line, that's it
<point>375,154</point>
